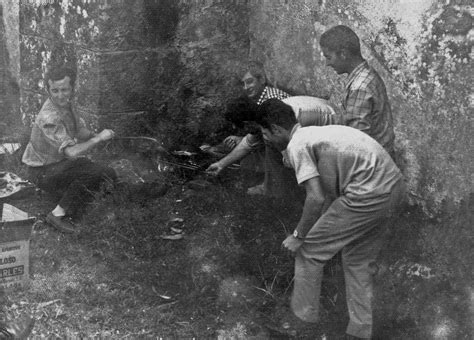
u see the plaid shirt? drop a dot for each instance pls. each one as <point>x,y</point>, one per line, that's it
<point>367,107</point>
<point>270,93</point>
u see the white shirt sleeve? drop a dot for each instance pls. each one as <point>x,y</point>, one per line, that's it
<point>302,159</point>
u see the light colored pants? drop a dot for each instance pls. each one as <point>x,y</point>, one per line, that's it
<point>358,230</point>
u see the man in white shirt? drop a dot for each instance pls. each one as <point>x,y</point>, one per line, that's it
<point>365,189</point>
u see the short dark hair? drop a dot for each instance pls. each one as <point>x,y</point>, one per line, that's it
<point>274,111</point>
<point>241,109</point>
<point>59,73</point>
<point>256,69</point>
<point>340,38</point>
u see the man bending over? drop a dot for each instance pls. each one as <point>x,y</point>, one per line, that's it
<point>365,189</point>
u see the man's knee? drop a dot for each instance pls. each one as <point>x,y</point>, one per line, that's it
<point>102,172</point>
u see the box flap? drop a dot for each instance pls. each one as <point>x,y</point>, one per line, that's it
<point>11,213</point>
<point>15,224</point>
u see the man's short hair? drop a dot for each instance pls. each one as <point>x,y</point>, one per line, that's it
<point>340,38</point>
<point>256,69</point>
<point>59,73</point>
<point>241,109</point>
<point>274,111</point>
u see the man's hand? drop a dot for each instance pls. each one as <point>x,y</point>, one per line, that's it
<point>105,135</point>
<point>232,141</point>
<point>292,243</point>
<point>215,168</point>
<point>80,149</point>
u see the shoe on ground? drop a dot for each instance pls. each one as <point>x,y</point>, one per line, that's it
<point>256,190</point>
<point>61,224</point>
<point>294,326</point>
<point>19,329</point>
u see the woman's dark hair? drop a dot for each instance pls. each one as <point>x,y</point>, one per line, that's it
<point>59,73</point>
<point>241,109</point>
<point>274,111</point>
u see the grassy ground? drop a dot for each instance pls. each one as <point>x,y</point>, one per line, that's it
<point>117,277</point>
<point>227,277</point>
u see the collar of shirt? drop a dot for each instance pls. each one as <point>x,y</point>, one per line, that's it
<point>295,128</point>
<point>67,112</point>
<point>355,72</point>
<point>261,99</point>
<point>70,119</point>
<point>51,106</point>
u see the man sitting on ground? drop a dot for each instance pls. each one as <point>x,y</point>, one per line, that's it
<point>239,112</point>
<point>257,90</point>
<point>365,189</point>
<point>59,139</point>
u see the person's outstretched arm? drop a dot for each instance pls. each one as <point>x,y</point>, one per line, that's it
<point>80,149</point>
<point>239,152</point>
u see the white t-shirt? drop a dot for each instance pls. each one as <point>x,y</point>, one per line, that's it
<point>347,161</point>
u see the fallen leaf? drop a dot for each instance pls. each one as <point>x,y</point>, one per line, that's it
<point>172,237</point>
<point>183,153</point>
<point>44,304</point>
<point>176,230</point>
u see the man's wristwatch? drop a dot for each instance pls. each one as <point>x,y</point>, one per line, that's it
<point>297,235</point>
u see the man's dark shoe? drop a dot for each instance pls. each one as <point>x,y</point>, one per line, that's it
<point>299,328</point>
<point>61,224</point>
<point>19,329</point>
<point>291,327</point>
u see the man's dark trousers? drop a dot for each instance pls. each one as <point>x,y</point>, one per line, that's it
<point>73,181</point>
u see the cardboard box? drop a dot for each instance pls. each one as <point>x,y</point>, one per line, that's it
<point>15,232</point>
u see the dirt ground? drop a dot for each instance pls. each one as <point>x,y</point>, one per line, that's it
<point>224,275</point>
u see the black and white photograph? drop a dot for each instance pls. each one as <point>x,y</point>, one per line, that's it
<point>236,169</point>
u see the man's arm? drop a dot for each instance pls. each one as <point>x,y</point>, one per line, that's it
<point>359,108</point>
<point>311,212</point>
<point>313,205</point>
<point>239,152</point>
<point>80,149</point>
<point>358,112</point>
<point>232,141</point>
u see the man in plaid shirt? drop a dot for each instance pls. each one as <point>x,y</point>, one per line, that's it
<point>250,149</point>
<point>271,93</point>
<point>256,88</point>
<point>366,105</point>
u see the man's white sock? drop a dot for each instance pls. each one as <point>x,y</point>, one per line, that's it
<point>59,211</point>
